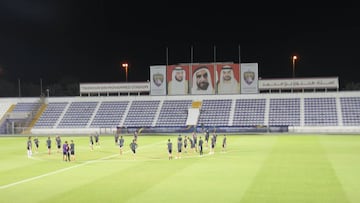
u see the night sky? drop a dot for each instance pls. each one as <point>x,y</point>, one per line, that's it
<point>88,40</point>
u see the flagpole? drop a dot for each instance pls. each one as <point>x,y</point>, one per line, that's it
<point>191,55</point>
<point>41,92</point>
<point>215,70</point>
<point>240,69</point>
<point>239,55</point>
<point>167,56</point>
<point>190,72</point>
<point>19,87</point>
<point>214,53</point>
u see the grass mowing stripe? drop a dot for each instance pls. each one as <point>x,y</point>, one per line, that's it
<point>344,154</point>
<point>298,167</point>
<point>221,177</point>
<point>40,176</point>
<point>64,169</point>
<point>297,170</point>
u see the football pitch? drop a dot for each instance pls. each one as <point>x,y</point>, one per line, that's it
<point>252,169</point>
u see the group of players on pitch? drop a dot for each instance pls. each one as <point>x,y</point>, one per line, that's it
<point>194,145</point>
<point>68,149</point>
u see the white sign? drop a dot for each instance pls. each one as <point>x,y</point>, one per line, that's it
<point>158,80</point>
<point>114,87</point>
<point>249,78</point>
<point>304,83</point>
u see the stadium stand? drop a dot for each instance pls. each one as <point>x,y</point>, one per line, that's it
<point>326,112</point>
<point>173,113</point>
<point>215,112</point>
<point>249,112</point>
<point>109,114</point>
<point>141,114</point>
<point>284,112</point>
<point>320,112</point>
<point>350,108</point>
<point>5,107</point>
<point>78,115</point>
<point>51,115</point>
<point>27,107</point>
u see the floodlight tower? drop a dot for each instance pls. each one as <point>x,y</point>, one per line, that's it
<point>294,58</point>
<point>126,66</point>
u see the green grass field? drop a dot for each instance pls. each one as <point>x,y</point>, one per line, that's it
<point>254,169</point>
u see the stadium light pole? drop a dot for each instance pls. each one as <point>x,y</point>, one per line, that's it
<point>125,65</point>
<point>293,66</point>
<point>19,84</point>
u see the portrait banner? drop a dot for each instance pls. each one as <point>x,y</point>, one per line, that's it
<point>158,80</point>
<point>228,78</point>
<point>177,79</point>
<point>249,78</point>
<point>203,79</point>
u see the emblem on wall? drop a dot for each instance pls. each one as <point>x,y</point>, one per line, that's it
<point>249,77</point>
<point>158,79</point>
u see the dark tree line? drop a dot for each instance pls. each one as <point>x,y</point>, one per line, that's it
<point>352,86</point>
<point>30,89</point>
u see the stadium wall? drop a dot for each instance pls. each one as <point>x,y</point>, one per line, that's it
<point>291,129</point>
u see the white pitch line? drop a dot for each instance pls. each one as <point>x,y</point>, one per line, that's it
<point>51,173</point>
<point>60,170</point>
<point>38,177</point>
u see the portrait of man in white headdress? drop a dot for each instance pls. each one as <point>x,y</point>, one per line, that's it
<point>178,85</point>
<point>227,82</point>
<point>202,81</point>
